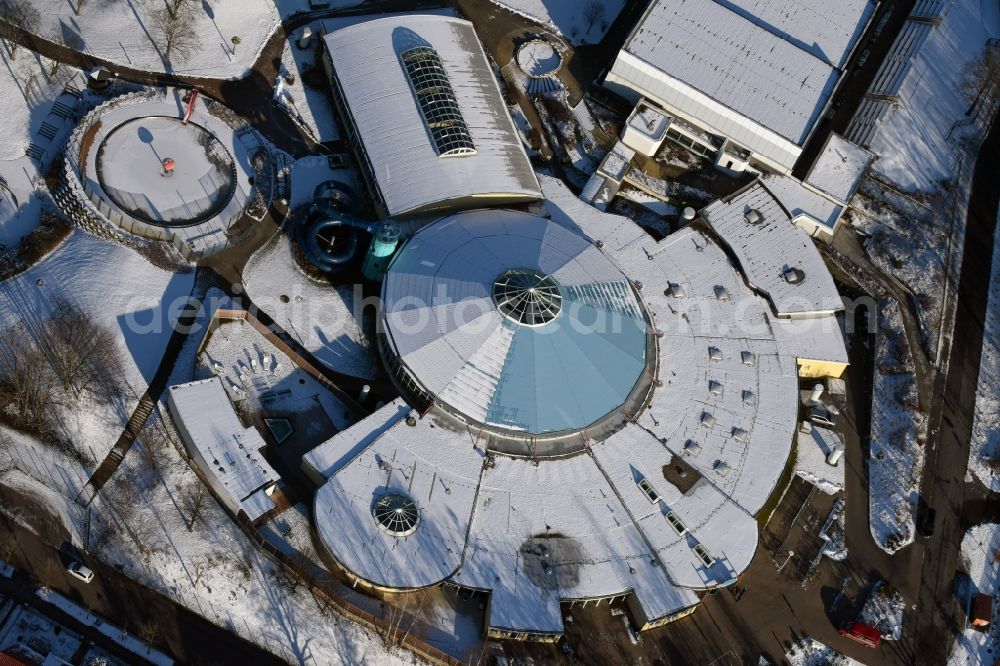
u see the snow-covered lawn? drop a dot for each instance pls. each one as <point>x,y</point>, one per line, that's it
<point>810,652</point>
<point>913,145</point>
<point>569,17</point>
<point>896,453</point>
<point>122,292</point>
<point>980,551</point>
<point>140,520</point>
<point>126,33</point>
<point>321,318</point>
<point>308,105</point>
<point>883,610</point>
<point>31,85</point>
<point>909,240</point>
<point>984,454</point>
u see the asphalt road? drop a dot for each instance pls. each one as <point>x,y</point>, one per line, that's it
<point>945,488</point>
<point>188,637</point>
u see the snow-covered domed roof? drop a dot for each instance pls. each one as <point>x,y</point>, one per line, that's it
<point>515,323</point>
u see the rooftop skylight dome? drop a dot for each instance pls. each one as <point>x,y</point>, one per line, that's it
<point>396,515</point>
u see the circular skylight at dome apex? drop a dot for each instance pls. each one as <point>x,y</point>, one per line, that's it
<point>396,515</point>
<point>527,297</point>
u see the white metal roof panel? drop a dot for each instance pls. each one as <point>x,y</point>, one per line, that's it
<point>738,63</point>
<point>231,451</point>
<point>839,167</point>
<point>409,173</point>
<point>770,248</point>
<point>828,30</point>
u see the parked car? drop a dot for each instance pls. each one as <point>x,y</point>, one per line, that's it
<point>80,571</point>
<point>860,632</point>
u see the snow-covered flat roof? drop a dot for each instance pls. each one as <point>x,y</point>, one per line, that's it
<point>724,360</point>
<point>828,30</point>
<point>839,167</point>
<point>802,201</point>
<point>719,52</point>
<point>385,112</point>
<point>231,452</point>
<point>430,463</point>
<point>340,449</point>
<point>777,257</point>
<point>649,121</point>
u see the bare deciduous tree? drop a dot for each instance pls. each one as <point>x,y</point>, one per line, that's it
<point>80,351</point>
<point>63,37</point>
<point>26,380</point>
<point>980,83</point>
<point>22,14</point>
<point>593,11</point>
<point>174,33</point>
<point>176,7</point>
<point>194,502</point>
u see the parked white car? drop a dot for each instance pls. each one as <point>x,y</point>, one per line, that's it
<point>80,571</point>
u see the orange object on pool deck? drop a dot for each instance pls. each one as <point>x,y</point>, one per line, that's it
<point>861,633</point>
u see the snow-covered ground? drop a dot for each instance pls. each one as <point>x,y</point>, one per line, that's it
<point>32,85</point>
<point>122,292</point>
<point>141,521</point>
<point>883,610</point>
<point>570,18</point>
<point>127,33</point>
<point>810,652</point>
<point>984,454</point>
<point>909,240</point>
<point>308,105</point>
<point>980,548</point>
<point>913,145</point>
<point>321,318</point>
<point>896,453</point>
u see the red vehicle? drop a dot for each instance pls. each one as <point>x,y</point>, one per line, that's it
<point>862,633</point>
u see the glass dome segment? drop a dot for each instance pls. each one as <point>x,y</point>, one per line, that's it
<point>527,297</point>
<point>396,515</point>
<point>515,324</point>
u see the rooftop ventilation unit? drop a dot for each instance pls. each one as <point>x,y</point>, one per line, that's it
<point>753,216</point>
<point>648,491</point>
<point>707,419</point>
<point>714,387</point>
<point>749,358</point>
<point>675,290</point>
<point>740,435</point>
<point>749,399</point>
<point>721,293</point>
<point>793,275</point>
<point>692,448</point>
<point>703,555</point>
<point>721,467</point>
<point>715,353</point>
